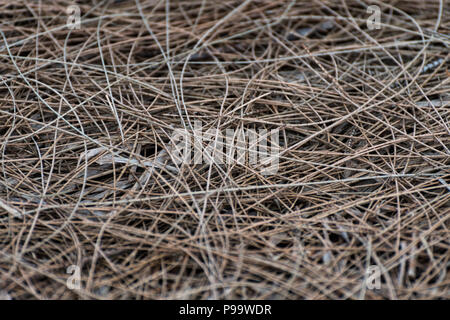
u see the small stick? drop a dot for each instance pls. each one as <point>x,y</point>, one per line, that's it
<point>16,213</point>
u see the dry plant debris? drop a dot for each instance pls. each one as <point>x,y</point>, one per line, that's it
<point>87,177</point>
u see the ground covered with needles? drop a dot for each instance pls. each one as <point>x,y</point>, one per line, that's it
<point>88,177</point>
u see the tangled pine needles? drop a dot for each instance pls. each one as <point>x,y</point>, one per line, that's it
<point>88,179</point>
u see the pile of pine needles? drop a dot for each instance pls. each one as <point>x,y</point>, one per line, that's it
<point>87,178</point>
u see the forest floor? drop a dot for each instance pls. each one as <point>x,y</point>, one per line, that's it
<point>95,204</point>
